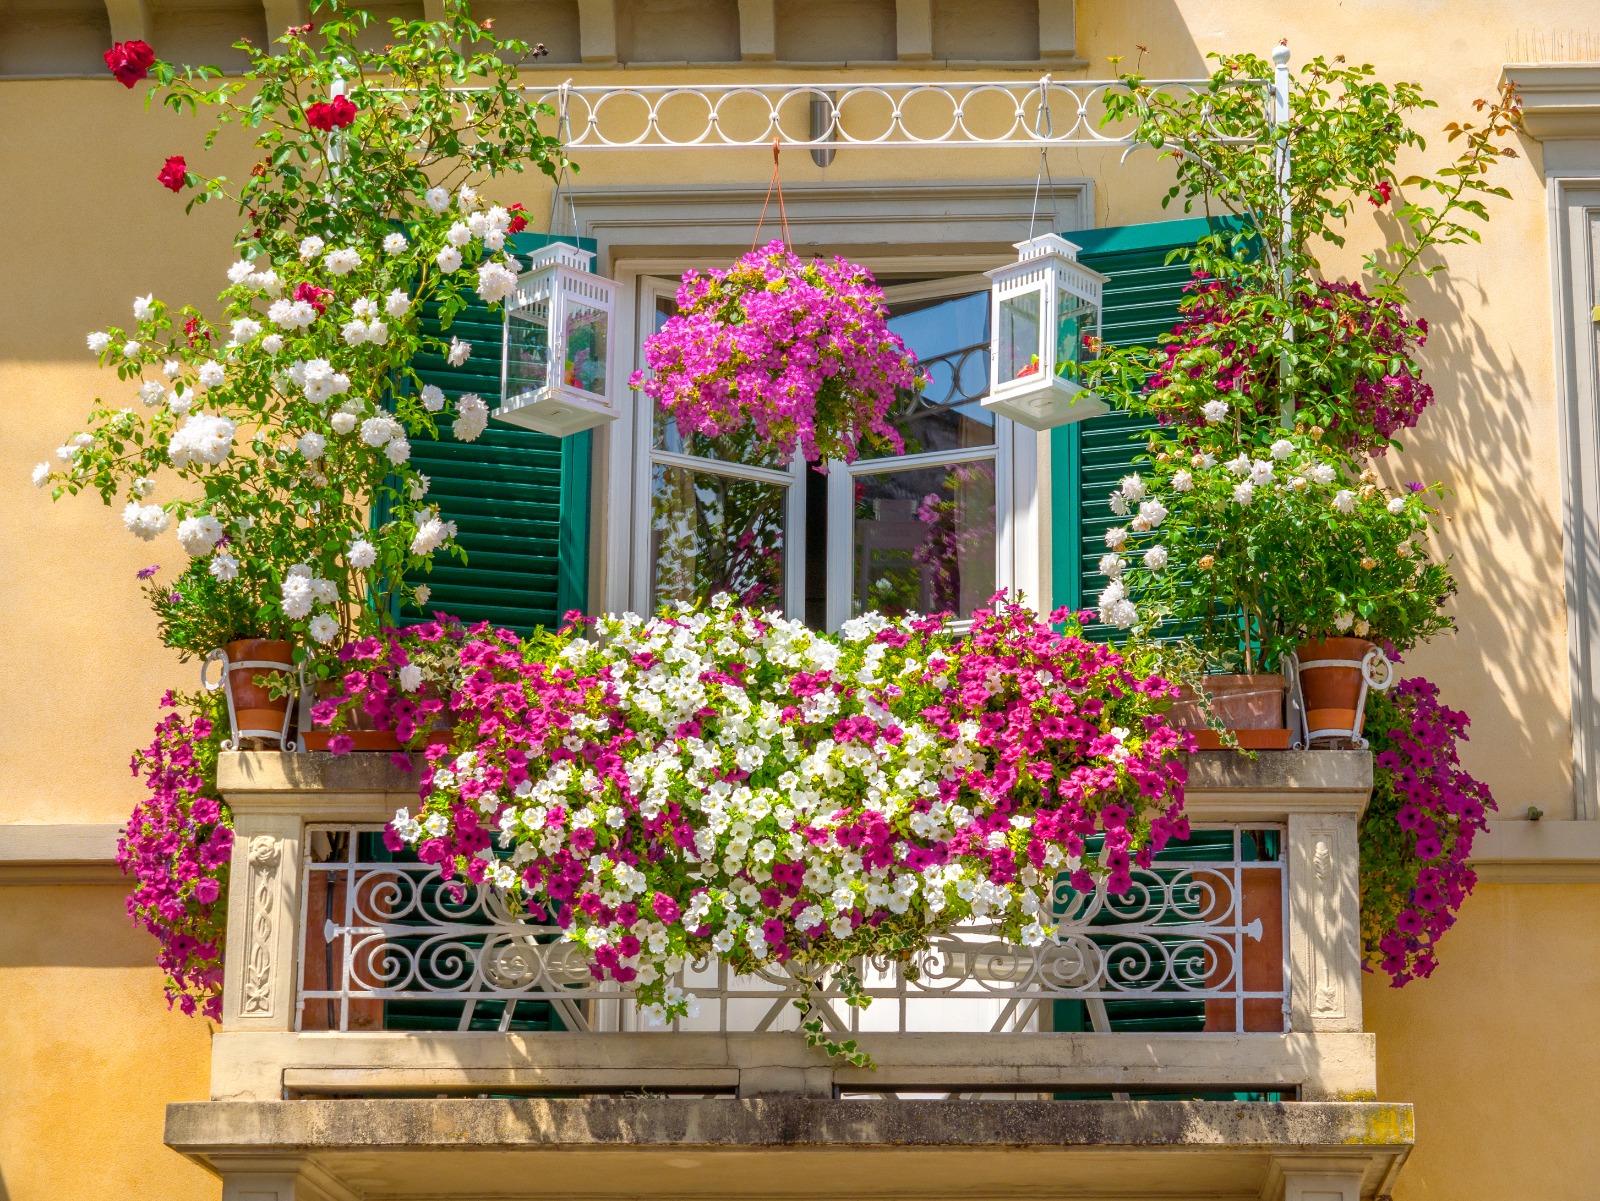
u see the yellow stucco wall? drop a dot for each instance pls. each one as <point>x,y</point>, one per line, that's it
<point>1494,1049</point>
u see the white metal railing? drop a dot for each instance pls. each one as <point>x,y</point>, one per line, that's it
<point>1204,935</point>
<point>825,115</point>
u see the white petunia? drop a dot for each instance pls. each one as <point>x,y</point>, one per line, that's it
<point>342,261</point>
<point>432,398</point>
<point>310,247</point>
<point>437,198</point>
<point>145,521</point>
<point>361,554</point>
<point>1244,494</point>
<point>410,678</point>
<point>1182,482</point>
<point>460,352</point>
<point>99,341</point>
<point>397,304</point>
<point>495,282</point>
<point>144,307</point>
<point>1345,501</point>
<point>394,243</point>
<point>224,567</point>
<point>199,535</point>
<point>211,373</point>
<point>1282,449</point>
<point>323,628</point>
<point>311,446</point>
<point>1156,558</point>
<point>449,259</point>
<point>1214,411</point>
<point>472,418</point>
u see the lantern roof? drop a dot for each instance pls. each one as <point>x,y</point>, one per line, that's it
<point>1048,246</point>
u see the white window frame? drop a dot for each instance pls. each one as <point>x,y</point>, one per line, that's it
<point>648,290</point>
<point>1013,446</point>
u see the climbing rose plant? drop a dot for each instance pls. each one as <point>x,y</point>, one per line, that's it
<point>802,352</point>
<point>723,781</point>
<point>1418,830</point>
<point>176,847</point>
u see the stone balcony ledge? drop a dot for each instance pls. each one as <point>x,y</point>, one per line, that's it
<point>1223,785</point>
<point>794,1147</point>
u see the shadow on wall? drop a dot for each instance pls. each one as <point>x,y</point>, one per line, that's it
<point>1506,663</point>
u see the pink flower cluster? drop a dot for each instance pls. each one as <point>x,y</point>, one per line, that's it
<point>1366,387</point>
<point>1418,833</point>
<point>177,846</point>
<point>801,351</point>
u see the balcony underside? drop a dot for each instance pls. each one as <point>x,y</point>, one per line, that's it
<point>791,1147</point>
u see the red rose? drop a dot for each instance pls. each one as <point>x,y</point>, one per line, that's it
<point>130,61</point>
<point>196,333</point>
<point>331,114</point>
<point>1380,196</point>
<point>518,222</point>
<point>314,296</point>
<point>173,173</point>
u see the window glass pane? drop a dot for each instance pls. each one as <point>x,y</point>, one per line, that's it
<point>950,338</point>
<point>924,540</point>
<point>711,533</point>
<point>586,349</point>
<point>740,447</point>
<point>1019,335</point>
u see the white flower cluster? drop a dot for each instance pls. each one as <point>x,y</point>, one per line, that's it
<point>203,438</point>
<point>1115,607</point>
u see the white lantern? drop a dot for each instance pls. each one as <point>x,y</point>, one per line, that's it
<point>1045,321</point>
<point>555,369</point>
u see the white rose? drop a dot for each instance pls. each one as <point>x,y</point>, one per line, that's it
<point>1345,501</point>
<point>361,554</point>
<point>397,304</point>
<point>449,259</point>
<point>432,398</point>
<point>1214,411</point>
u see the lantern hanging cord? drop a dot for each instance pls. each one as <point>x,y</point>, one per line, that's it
<point>1043,175</point>
<point>783,217</point>
<point>563,184</point>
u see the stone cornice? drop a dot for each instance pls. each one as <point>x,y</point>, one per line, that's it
<point>1560,101</point>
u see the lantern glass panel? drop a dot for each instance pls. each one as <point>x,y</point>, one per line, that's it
<point>1021,344</point>
<point>585,331</point>
<point>1077,324</point>
<point>528,349</point>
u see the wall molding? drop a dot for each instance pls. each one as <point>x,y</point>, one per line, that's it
<point>67,853</point>
<point>1538,852</point>
<point>1560,101</point>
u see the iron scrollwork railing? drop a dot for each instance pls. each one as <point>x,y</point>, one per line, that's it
<point>384,945</point>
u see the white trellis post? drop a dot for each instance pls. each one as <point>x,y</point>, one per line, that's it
<point>1279,119</point>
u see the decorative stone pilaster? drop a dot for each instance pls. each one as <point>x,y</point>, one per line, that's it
<point>259,978</point>
<point>1324,922</point>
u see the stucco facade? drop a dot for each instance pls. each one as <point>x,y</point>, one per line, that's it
<point>1495,1050</point>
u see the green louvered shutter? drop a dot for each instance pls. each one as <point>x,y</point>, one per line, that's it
<point>1087,459</point>
<point>520,500</point>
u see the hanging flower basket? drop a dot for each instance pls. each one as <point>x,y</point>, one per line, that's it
<point>801,352</point>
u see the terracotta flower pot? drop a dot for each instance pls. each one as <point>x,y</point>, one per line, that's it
<point>1332,691</point>
<point>1249,706</point>
<point>254,708</point>
<point>358,726</point>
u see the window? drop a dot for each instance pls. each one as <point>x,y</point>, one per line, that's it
<point>929,530</point>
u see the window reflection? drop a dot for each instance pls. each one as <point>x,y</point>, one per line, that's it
<point>712,533</point>
<point>925,540</point>
<point>950,338</point>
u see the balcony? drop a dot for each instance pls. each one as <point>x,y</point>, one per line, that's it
<point>1198,1036</point>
